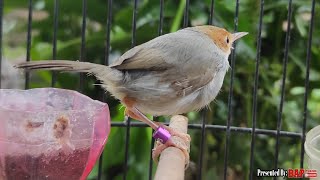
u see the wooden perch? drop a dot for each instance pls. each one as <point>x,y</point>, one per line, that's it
<point>172,160</point>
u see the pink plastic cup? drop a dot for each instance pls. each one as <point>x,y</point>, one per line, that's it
<point>50,133</point>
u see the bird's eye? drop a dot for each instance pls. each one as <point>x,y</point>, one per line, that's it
<point>227,40</point>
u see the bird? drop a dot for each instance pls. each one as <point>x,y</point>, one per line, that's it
<point>171,74</point>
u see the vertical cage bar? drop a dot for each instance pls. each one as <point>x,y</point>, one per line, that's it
<point>151,160</point>
<point>134,23</point>
<point>109,22</point>
<point>305,106</point>
<point>203,137</point>
<point>186,14</point>
<point>106,62</point>
<point>54,41</point>
<point>160,31</point>
<point>211,13</point>
<point>100,166</point>
<point>283,84</point>
<point>230,97</point>
<point>204,113</point>
<point>27,75</point>
<point>83,41</point>
<point>151,147</point>
<point>1,19</point>
<point>255,92</point>
<point>133,43</point>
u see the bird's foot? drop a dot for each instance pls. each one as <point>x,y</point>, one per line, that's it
<point>173,132</point>
<point>164,136</point>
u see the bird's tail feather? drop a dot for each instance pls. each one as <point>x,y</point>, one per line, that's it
<point>56,65</point>
<point>102,72</point>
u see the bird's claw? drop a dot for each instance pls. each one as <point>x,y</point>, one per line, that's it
<point>184,136</point>
<point>125,119</point>
<point>159,147</point>
<point>183,145</point>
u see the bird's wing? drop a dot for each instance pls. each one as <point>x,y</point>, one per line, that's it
<point>188,58</point>
<point>141,57</point>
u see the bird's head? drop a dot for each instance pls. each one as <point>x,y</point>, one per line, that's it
<point>221,37</point>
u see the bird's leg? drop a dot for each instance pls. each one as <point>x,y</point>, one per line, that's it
<point>162,133</point>
<point>136,114</point>
<point>132,112</point>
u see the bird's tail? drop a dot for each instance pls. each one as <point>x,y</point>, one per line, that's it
<point>103,73</point>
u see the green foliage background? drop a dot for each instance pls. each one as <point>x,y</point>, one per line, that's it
<point>273,38</point>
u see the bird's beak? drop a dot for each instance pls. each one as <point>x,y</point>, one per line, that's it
<point>238,35</point>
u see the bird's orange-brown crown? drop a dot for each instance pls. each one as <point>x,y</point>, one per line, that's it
<point>221,37</point>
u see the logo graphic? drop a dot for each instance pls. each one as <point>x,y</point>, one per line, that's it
<point>290,173</point>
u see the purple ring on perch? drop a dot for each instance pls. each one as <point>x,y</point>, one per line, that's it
<point>162,135</point>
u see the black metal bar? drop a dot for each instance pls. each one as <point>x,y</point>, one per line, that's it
<point>230,109</point>
<point>134,23</point>
<point>1,18</point>
<point>204,115</point>
<point>27,75</point>
<point>284,75</point>
<point>160,30</point>
<point>211,13</point>
<point>54,41</point>
<point>133,43</point>
<point>100,166</point>
<point>109,21</point>
<point>202,140</point>
<point>151,160</point>
<point>106,62</point>
<point>305,106</point>
<point>255,94</point>
<point>210,127</point>
<point>151,150</point>
<point>186,14</point>
<point>83,41</point>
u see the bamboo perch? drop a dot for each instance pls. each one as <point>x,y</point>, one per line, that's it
<point>172,160</point>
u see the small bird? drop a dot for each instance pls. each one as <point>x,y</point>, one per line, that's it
<point>172,74</point>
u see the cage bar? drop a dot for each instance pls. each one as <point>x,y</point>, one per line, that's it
<point>204,111</point>
<point>212,127</point>
<point>306,85</point>
<point>54,40</point>
<point>83,42</point>
<point>283,84</point>
<point>230,109</point>
<point>27,74</point>
<point>106,62</point>
<point>160,31</point>
<point>211,13</point>
<point>133,43</point>
<point>255,94</point>
<point>186,14</point>
<point>1,15</point>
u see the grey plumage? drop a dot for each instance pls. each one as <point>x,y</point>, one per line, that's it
<point>171,74</point>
